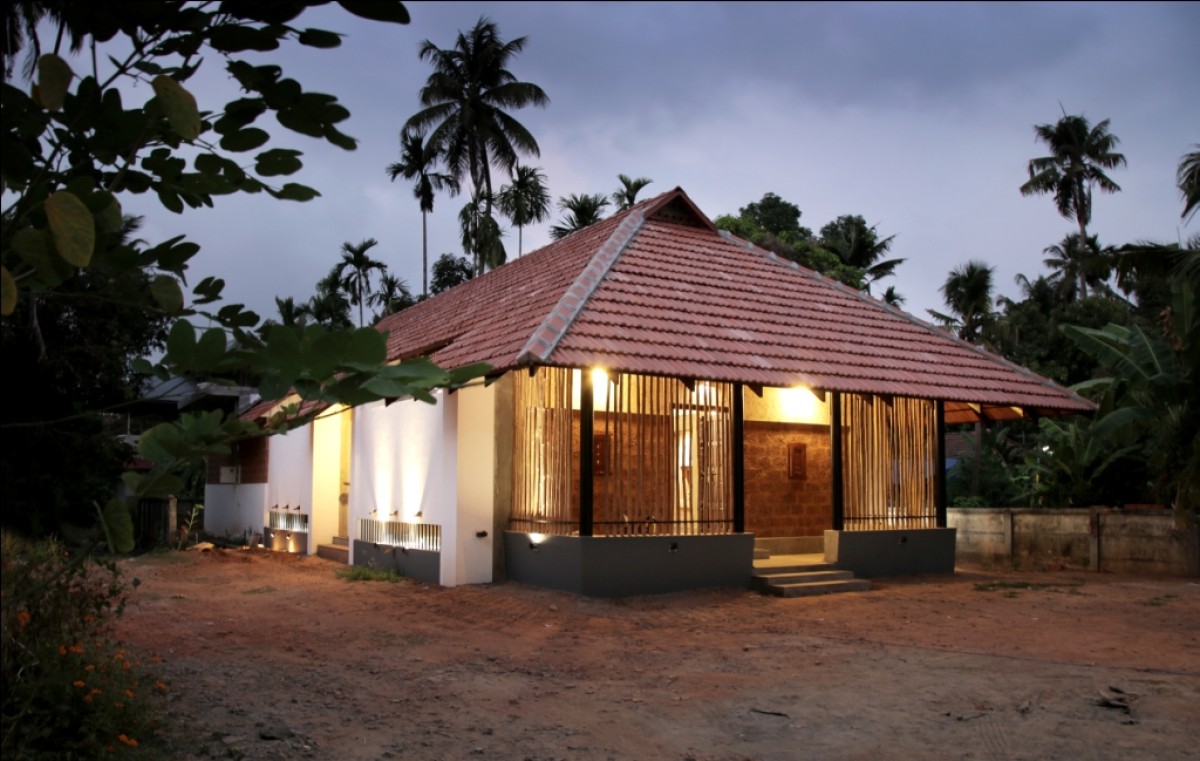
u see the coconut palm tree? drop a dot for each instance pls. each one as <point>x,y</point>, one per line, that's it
<point>329,306</point>
<point>581,210</point>
<point>417,162</point>
<point>1188,178</point>
<point>481,234</point>
<point>626,195</point>
<point>1076,265</point>
<point>525,200</point>
<point>392,296</point>
<point>467,103</point>
<point>893,297</point>
<point>1079,156</point>
<point>354,272</point>
<point>968,292</point>
<point>856,243</point>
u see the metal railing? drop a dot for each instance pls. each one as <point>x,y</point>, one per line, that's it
<point>410,536</point>
<point>285,520</point>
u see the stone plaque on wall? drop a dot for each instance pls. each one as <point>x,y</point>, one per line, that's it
<point>797,462</point>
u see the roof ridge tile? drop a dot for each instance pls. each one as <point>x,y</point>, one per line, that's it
<point>550,332</point>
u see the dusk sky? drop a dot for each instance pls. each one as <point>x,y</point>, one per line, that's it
<point>917,116</point>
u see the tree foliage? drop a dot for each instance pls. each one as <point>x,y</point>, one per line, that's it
<point>448,271</point>
<point>626,196</point>
<point>525,200</point>
<point>90,133</point>
<point>1079,155</point>
<point>418,163</point>
<point>467,100</point>
<point>580,210</point>
<point>774,224</point>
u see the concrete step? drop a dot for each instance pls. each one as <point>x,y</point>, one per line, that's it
<point>762,569</point>
<point>788,577</point>
<point>761,553</point>
<point>806,589</point>
<point>341,541</point>
<point>334,552</point>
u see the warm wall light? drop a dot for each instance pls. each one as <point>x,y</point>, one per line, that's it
<point>599,388</point>
<point>537,538</point>
<point>600,384</point>
<point>801,405</point>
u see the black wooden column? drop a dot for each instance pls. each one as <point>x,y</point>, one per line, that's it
<point>939,475</point>
<point>587,448</point>
<point>835,444</point>
<point>739,461</point>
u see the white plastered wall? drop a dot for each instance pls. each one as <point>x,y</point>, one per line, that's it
<point>233,509</point>
<point>325,475</point>
<point>400,471</point>
<point>476,458</point>
<point>289,481</point>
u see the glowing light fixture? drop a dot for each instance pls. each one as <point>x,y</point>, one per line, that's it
<point>801,405</point>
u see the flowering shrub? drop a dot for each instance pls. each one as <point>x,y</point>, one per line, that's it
<point>70,691</point>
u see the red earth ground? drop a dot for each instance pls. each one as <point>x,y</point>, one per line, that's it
<point>273,656</point>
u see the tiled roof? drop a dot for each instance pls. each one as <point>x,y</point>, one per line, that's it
<point>658,290</point>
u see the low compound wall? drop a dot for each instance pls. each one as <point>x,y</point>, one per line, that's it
<point>1099,539</point>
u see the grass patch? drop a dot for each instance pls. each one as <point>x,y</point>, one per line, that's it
<point>1010,588</point>
<point>363,573</point>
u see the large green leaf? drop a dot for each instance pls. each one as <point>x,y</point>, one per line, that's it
<point>295,192</point>
<point>245,139</point>
<point>166,291</point>
<point>72,227</point>
<point>117,520</point>
<point>277,161</point>
<point>319,38</point>
<point>31,245</point>
<point>8,292</point>
<point>54,77</point>
<point>367,346</point>
<point>179,105</point>
<point>377,10</point>
<point>181,342</point>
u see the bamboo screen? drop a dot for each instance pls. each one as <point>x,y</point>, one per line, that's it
<point>664,463</point>
<point>662,455</point>
<point>542,453</point>
<point>889,453</point>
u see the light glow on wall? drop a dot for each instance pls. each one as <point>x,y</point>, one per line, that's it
<point>800,405</point>
<point>600,384</point>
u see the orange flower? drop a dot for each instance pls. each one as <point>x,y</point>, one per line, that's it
<point>90,667</point>
<point>23,617</point>
<point>87,698</point>
<point>79,683</point>
<point>127,740</point>
<point>62,650</point>
<point>159,684</point>
<point>76,649</point>
<point>87,619</point>
<point>129,693</point>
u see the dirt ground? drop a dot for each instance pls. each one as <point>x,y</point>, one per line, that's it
<point>272,656</point>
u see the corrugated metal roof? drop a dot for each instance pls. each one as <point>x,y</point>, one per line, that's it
<point>658,290</point>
